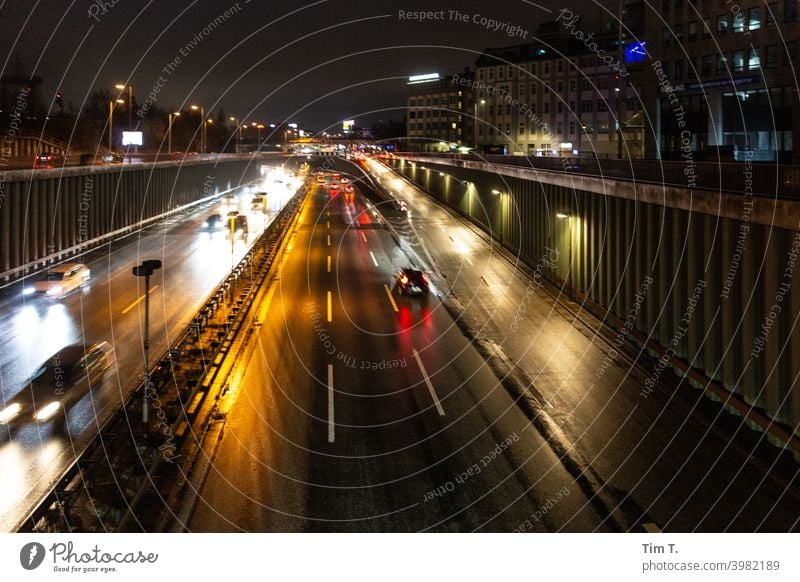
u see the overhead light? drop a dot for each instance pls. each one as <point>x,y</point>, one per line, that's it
<point>562,215</point>
<point>496,192</point>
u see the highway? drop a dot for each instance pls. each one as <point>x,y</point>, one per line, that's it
<point>316,443</point>
<point>370,411</point>
<point>110,308</point>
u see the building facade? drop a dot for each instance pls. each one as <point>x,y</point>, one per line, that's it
<point>721,80</point>
<point>558,97</point>
<point>436,109</point>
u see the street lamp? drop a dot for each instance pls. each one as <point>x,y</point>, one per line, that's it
<point>121,87</point>
<point>202,127</point>
<point>238,132</point>
<point>169,130</point>
<point>475,122</point>
<point>146,269</point>
<point>259,127</point>
<point>111,123</point>
<point>568,217</point>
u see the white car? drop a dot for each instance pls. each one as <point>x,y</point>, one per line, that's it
<point>57,281</point>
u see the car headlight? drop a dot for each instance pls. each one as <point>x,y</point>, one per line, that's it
<point>55,290</point>
<point>47,412</point>
<point>9,412</point>
<point>28,291</point>
<point>205,224</point>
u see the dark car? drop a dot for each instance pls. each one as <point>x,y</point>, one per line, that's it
<point>48,161</point>
<point>112,158</point>
<point>239,221</point>
<point>214,222</point>
<point>412,282</point>
<point>65,378</point>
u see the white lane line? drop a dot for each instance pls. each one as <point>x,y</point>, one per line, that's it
<point>329,240</point>
<point>331,429</point>
<point>364,237</point>
<point>430,386</point>
<point>389,295</point>
<point>329,263</point>
<point>329,224</point>
<point>374,260</point>
<point>135,303</point>
<point>330,308</point>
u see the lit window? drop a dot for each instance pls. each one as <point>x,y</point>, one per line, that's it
<point>754,18</point>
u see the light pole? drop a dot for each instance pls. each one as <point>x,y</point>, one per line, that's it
<point>111,123</point>
<point>475,123</point>
<point>202,127</point>
<point>145,270</point>
<point>259,127</point>
<point>169,130</point>
<point>238,131</point>
<point>568,217</point>
<point>121,87</point>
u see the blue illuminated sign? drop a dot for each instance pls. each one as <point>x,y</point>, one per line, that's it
<point>635,52</point>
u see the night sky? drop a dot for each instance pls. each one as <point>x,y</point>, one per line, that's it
<point>313,62</point>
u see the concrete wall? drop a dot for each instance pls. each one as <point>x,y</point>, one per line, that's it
<point>47,215</point>
<point>725,296</point>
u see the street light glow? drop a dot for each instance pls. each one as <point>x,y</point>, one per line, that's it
<point>562,215</point>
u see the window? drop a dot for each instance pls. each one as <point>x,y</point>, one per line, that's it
<point>491,74</point>
<point>790,54</point>
<point>586,106</point>
<point>547,68</point>
<point>753,60</point>
<point>508,109</point>
<point>500,72</point>
<point>722,65</point>
<point>738,22</point>
<point>692,31</point>
<point>572,84</point>
<point>754,18</point>
<point>510,72</point>
<point>723,24</point>
<point>772,11</point>
<point>602,105</point>
<point>560,66</point>
<point>521,89</point>
<point>546,107</point>
<point>771,54</point>
<point>678,29</point>
<point>521,129</point>
<point>533,89</point>
<point>480,75</point>
<point>559,107</point>
<point>602,83</point>
<point>707,28</point>
<point>545,146</point>
<point>572,105</point>
<point>585,85</point>
<point>665,6</point>
<point>533,68</point>
<point>560,127</point>
<point>679,70</point>
<point>559,87</point>
<point>737,64</point>
<point>665,36</point>
<point>572,128</point>
<point>706,63</point>
<point>789,10</point>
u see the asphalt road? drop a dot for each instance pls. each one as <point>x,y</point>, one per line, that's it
<point>376,413</point>
<point>110,308</point>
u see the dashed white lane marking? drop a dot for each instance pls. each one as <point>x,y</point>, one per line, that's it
<point>428,382</point>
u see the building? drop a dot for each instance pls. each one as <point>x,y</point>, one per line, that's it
<point>720,80</point>
<point>436,109</point>
<point>560,95</point>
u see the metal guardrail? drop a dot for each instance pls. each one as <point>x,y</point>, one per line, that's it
<point>762,179</point>
<point>116,480</point>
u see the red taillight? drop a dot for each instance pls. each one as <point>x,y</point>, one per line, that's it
<point>424,278</point>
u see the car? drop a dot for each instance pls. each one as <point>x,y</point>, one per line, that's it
<point>259,202</point>
<point>58,281</point>
<point>401,205</point>
<point>321,178</point>
<point>348,189</point>
<point>239,221</point>
<point>229,202</point>
<point>48,161</point>
<point>59,383</point>
<point>412,282</point>
<point>112,158</point>
<point>214,222</point>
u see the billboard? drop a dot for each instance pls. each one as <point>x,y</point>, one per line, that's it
<point>131,138</point>
<point>635,52</point>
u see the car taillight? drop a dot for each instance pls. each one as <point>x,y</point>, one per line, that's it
<point>424,278</point>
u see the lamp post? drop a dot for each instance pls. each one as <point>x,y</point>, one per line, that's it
<point>111,123</point>
<point>122,87</point>
<point>475,122</point>
<point>238,131</point>
<point>568,217</point>
<point>169,130</point>
<point>146,269</point>
<point>202,127</point>
<point>260,126</point>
